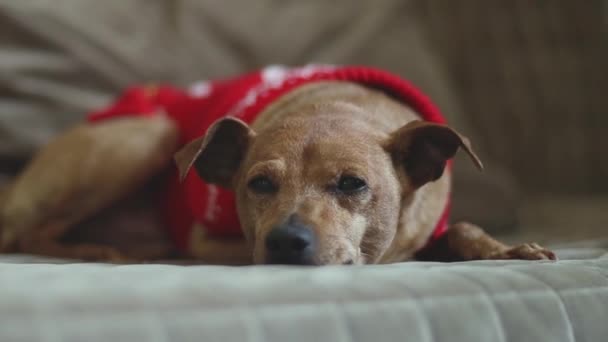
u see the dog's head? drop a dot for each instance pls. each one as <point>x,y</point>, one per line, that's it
<point>320,192</point>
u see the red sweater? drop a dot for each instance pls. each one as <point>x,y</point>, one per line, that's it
<point>195,109</point>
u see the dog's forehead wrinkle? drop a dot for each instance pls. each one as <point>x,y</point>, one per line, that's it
<point>342,146</point>
<point>339,106</point>
<point>327,118</point>
<point>265,166</point>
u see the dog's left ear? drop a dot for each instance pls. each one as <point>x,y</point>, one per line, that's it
<point>423,149</point>
<point>217,155</point>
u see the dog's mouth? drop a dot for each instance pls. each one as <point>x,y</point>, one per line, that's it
<point>348,262</point>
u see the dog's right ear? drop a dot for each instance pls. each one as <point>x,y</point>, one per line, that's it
<point>423,148</point>
<point>217,155</point>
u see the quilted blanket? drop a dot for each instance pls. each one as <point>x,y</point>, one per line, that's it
<point>43,300</point>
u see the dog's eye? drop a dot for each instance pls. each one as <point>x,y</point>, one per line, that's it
<point>262,185</point>
<point>351,185</point>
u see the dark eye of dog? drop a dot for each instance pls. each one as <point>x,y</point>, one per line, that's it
<point>262,185</point>
<point>351,185</point>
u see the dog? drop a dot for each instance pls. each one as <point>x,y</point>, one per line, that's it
<point>316,165</point>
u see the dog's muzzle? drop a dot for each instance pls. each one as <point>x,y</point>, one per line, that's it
<point>291,243</point>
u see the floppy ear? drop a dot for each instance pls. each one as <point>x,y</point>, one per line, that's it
<point>423,149</point>
<point>217,155</point>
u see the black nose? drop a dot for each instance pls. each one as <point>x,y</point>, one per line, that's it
<point>291,243</point>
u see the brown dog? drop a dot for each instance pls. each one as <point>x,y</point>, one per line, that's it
<point>330,173</point>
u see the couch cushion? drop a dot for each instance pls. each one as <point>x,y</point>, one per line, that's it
<point>474,301</point>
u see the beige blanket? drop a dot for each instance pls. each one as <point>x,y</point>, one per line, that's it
<point>426,302</point>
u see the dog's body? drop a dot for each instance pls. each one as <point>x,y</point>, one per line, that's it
<point>331,172</point>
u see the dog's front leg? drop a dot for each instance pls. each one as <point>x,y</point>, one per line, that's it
<point>465,241</point>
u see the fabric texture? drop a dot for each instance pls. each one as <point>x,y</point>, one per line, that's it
<point>193,201</point>
<point>506,301</point>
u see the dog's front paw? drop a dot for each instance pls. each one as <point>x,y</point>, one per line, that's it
<point>526,251</point>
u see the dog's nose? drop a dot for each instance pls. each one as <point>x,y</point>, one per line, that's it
<point>291,243</point>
